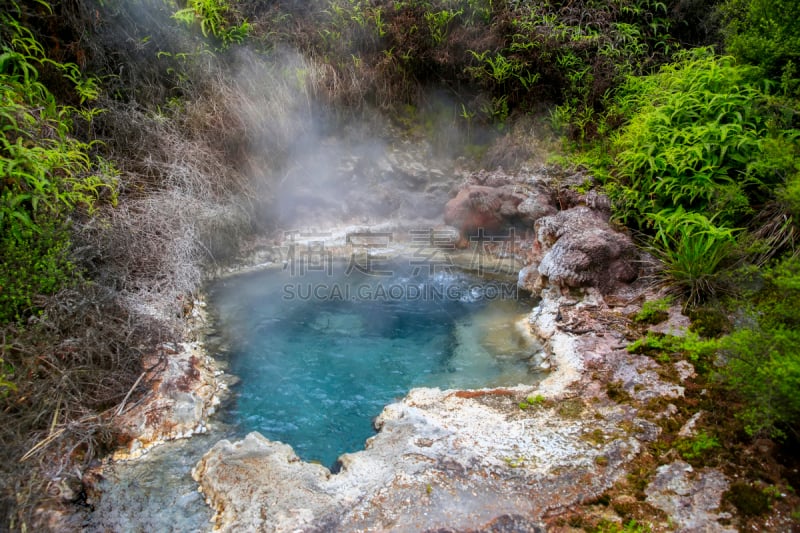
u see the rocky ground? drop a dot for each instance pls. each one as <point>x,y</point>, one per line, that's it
<point>586,449</point>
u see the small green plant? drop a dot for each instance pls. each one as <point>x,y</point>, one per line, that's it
<point>606,526</point>
<point>697,447</point>
<point>700,352</point>
<point>532,401</point>
<point>213,16</point>
<point>515,462</point>
<point>693,251</point>
<point>497,111</point>
<point>501,70</point>
<point>596,436</point>
<point>654,343</point>
<point>439,23</point>
<point>535,400</point>
<point>654,311</point>
<point>617,392</point>
<point>796,514</point>
<point>6,377</point>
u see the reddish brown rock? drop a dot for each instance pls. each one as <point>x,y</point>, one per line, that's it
<point>477,207</point>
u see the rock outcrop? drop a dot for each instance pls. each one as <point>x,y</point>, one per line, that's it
<point>572,243</point>
<point>495,202</point>
<point>578,248</point>
<point>442,459</point>
<point>184,392</point>
<point>690,497</point>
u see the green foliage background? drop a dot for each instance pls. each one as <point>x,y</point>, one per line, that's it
<point>701,158</point>
<point>48,174</point>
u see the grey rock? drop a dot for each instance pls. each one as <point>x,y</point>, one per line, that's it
<point>442,461</point>
<point>690,498</point>
<point>689,429</point>
<point>264,485</point>
<point>535,207</point>
<point>580,249</point>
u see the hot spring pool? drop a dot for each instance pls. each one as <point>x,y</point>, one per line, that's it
<point>320,353</point>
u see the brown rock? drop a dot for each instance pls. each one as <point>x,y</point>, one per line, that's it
<point>477,207</point>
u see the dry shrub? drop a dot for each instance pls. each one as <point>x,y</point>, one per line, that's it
<point>195,177</point>
<point>528,142</point>
<point>73,365</point>
<point>195,173</point>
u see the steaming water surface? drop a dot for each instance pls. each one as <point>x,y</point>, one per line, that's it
<point>320,353</point>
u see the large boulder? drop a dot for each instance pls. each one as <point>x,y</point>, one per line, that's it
<point>477,207</point>
<point>495,202</point>
<point>578,248</point>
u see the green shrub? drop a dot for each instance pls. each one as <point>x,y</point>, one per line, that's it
<point>690,154</point>
<point>699,136</point>
<point>216,18</point>
<point>764,33</point>
<point>789,195</point>
<point>697,448</point>
<point>48,175</point>
<point>585,48</point>
<point>763,366</point>
<point>653,311</point>
<point>763,357</point>
<point>692,251</point>
<point>37,263</point>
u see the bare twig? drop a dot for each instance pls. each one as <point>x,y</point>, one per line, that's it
<point>127,396</point>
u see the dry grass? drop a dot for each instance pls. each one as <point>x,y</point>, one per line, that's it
<point>73,366</point>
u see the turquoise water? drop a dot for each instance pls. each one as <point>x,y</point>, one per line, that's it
<point>320,353</point>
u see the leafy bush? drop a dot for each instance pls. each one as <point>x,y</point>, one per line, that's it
<point>35,264</point>
<point>692,251</point>
<point>765,33</point>
<point>47,173</point>
<point>699,136</point>
<point>700,146</point>
<point>216,18</point>
<point>763,359</point>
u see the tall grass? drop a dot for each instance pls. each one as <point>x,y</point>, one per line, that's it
<point>693,252</point>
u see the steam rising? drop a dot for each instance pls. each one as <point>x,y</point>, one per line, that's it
<point>251,144</point>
